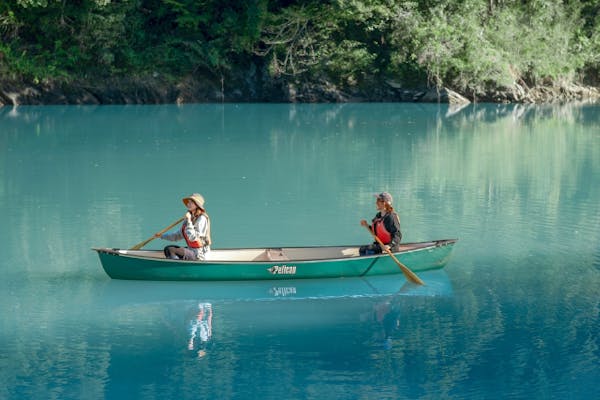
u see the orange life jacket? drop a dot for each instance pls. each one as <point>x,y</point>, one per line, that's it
<point>381,232</point>
<point>196,244</point>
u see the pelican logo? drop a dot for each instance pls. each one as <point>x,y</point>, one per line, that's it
<point>282,270</point>
<point>283,291</point>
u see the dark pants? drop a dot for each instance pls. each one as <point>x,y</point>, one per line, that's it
<point>178,253</point>
<point>369,249</point>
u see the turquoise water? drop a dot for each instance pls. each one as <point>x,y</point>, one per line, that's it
<point>515,313</point>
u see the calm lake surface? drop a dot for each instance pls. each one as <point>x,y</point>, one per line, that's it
<point>514,314</point>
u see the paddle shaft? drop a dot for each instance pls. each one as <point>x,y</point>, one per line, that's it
<point>145,242</point>
<point>411,276</point>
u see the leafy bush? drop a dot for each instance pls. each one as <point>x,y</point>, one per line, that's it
<point>469,45</point>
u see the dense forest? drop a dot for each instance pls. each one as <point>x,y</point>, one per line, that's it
<point>263,50</point>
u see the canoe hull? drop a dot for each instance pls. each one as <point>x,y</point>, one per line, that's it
<point>135,265</point>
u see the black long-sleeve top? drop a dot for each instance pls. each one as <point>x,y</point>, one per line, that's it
<point>391,221</point>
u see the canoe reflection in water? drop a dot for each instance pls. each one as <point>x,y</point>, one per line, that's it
<point>303,315</point>
<point>121,292</point>
<point>201,329</point>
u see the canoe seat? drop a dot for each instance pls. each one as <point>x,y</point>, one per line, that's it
<point>276,255</point>
<point>272,255</point>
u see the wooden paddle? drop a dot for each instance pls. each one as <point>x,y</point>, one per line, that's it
<point>145,242</point>
<point>410,276</point>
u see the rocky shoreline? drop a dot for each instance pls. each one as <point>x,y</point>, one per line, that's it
<point>155,90</point>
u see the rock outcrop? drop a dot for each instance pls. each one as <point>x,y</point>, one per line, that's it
<point>155,90</point>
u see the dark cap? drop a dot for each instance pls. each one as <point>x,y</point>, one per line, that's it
<point>385,196</point>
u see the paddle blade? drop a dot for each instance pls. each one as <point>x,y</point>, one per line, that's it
<point>408,274</point>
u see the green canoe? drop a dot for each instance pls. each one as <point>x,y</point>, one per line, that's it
<point>272,263</point>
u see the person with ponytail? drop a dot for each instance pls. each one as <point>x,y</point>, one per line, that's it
<point>195,230</point>
<point>385,225</point>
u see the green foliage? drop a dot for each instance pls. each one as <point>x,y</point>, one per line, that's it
<point>345,41</point>
<point>470,45</point>
<point>474,45</point>
<point>539,41</point>
<point>69,38</point>
<point>211,35</point>
<point>350,62</point>
<point>455,49</point>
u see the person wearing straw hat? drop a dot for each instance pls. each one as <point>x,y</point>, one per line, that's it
<point>195,230</point>
<point>385,225</point>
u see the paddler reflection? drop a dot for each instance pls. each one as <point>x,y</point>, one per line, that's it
<point>388,316</point>
<point>385,319</point>
<point>201,330</point>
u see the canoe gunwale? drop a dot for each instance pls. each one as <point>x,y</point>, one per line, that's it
<point>411,248</point>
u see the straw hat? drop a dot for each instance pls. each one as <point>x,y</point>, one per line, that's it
<point>196,198</point>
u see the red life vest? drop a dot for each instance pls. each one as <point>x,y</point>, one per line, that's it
<point>194,244</point>
<point>381,232</point>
